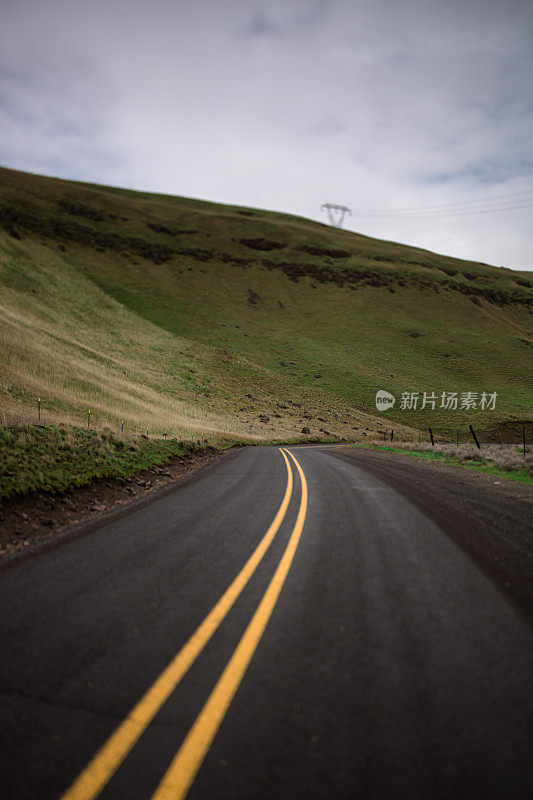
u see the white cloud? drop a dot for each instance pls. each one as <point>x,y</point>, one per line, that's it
<point>284,105</point>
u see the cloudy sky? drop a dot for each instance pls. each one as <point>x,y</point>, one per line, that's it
<point>417,114</point>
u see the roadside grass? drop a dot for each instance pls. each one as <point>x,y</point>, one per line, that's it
<point>55,459</point>
<point>501,461</point>
<point>198,318</point>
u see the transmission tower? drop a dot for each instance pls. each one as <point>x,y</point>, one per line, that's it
<point>336,213</point>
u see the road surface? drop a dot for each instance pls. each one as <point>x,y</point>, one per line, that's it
<point>307,622</point>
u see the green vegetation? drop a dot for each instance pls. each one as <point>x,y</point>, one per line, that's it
<point>196,318</point>
<point>500,462</point>
<point>55,459</point>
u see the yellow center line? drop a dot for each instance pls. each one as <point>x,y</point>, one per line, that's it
<point>107,760</point>
<point>182,771</point>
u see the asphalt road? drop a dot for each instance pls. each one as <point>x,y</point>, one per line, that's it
<point>330,627</point>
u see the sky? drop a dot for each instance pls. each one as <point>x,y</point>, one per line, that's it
<point>415,114</point>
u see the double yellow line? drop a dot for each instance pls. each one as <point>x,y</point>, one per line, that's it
<point>184,767</point>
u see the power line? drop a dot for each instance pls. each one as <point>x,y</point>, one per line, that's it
<point>480,205</point>
<point>456,213</point>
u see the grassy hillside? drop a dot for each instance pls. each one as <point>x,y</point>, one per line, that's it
<point>193,317</point>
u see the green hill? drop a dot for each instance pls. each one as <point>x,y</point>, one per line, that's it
<point>199,318</point>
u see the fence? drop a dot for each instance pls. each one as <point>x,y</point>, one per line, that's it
<point>466,436</point>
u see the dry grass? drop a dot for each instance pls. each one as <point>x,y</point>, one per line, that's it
<point>97,355</point>
<point>505,457</point>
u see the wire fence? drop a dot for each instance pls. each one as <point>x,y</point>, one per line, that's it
<point>515,434</point>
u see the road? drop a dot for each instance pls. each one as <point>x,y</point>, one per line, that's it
<point>312,622</point>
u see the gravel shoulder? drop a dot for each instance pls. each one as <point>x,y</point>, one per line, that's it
<point>489,518</point>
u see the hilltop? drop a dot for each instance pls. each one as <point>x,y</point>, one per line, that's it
<point>198,318</point>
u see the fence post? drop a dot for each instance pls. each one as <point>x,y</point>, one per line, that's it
<point>89,420</point>
<point>431,435</point>
<point>123,427</point>
<point>392,436</point>
<point>39,409</point>
<point>472,431</point>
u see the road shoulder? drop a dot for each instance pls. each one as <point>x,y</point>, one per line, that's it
<point>488,518</point>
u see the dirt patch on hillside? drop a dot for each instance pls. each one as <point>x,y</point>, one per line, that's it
<point>326,252</point>
<point>170,231</point>
<point>262,244</point>
<point>26,522</point>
